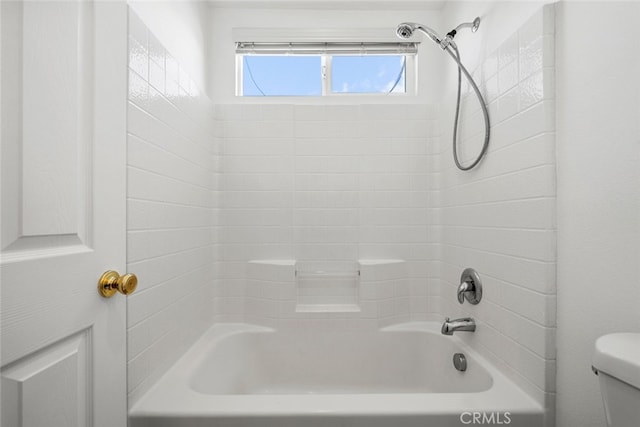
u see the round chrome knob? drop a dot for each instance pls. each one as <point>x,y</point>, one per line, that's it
<point>111,282</point>
<point>460,362</point>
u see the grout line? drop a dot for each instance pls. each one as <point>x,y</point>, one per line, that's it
<point>164,150</point>
<point>169,254</point>
<point>167,203</point>
<point>172,178</point>
<point>540,261</point>
<point>500,202</point>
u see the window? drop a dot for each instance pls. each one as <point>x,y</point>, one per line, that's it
<point>266,75</point>
<point>325,69</point>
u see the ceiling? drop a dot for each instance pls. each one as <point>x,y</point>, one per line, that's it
<point>332,4</point>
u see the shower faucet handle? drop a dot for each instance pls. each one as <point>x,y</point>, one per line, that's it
<point>470,287</point>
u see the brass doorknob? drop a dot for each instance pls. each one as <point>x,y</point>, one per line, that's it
<point>111,282</point>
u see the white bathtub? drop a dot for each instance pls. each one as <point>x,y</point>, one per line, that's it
<point>245,375</point>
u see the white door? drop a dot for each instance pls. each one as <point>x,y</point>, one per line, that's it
<point>63,92</point>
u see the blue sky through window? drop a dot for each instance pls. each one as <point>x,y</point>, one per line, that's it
<point>367,74</point>
<point>301,75</point>
<point>282,76</point>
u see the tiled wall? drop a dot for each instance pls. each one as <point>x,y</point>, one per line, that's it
<point>323,187</point>
<point>326,185</point>
<point>375,293</point>
<point>500,217</point>
<point>171,205</point>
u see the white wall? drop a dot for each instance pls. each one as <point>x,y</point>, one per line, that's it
<point>183,28</point>
<point>224,20</point>
<point>171,209</point>
<point>499,218</point>
<point>598,112</point>
<point>499,21</point>
<point>326,186</point>
<point>598,193</point>
<point>280,158</point>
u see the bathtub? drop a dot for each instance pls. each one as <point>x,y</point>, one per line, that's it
<point>245,375</point>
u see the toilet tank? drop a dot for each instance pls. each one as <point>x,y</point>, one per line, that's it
<point>617,362</point>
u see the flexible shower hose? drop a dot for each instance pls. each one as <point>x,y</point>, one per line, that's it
<point>455,54</point>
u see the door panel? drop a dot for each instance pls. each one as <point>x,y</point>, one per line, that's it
<point>27,385</point>
<point>54,194</point>
<point>63,353</point>
<point>49,79</point>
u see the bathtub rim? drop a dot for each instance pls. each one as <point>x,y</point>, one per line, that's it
<point>172,396</point>
<point>478,378</point>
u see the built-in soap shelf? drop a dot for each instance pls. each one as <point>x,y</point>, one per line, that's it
<point>367,288</point>
<point>323,291</point>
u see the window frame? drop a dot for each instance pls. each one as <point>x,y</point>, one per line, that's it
<point>326,70</point>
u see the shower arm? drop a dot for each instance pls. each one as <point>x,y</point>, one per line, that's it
<point>448,39</point>
<point>406,30</point>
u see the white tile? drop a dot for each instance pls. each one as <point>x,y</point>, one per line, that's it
<point>156,51</point>
<point>508,77</point>
<point>138,90</point>
<point>548,83</point>
<point>170,237</point>
<point>305,113</point>
<point>530,274</point>
<point>535,306</point>
<point>549,19</point>
<point>536,338</point>
<point>548,51</point>
<point>173,69</point>
<point>278,112</point>
<point>383,270</point>
<point>531,90</point>
<point>491,91</point>
<point>156,76</point>
<point>523,214</point>
<point>137,29</point>
<point>148,157</point>
<point>145,304</point>
<point>540,118</point>
<point>508,104</point>
<point>139,58</point>
<point>145,185</point>
<point>508,51</point>
<point>183,78</point>
<point>532,29</point>
<point>256,199</point>
<point>342,112</point>
<point>275,270</point>
<point>143,215</point>
<point>490,65</point>
<point>531,58</point>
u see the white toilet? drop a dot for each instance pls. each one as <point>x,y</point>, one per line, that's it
<point>616,361</point>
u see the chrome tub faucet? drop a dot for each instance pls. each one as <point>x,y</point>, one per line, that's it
<point>470,287</point>
<point>463,324</point>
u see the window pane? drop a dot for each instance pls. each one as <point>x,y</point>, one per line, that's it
<point>281,76</point>
<point>368,74</point>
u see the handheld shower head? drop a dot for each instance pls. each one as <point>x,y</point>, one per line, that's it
<point>406,30</point>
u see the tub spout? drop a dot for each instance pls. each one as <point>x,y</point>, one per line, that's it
<point>464,324</point>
